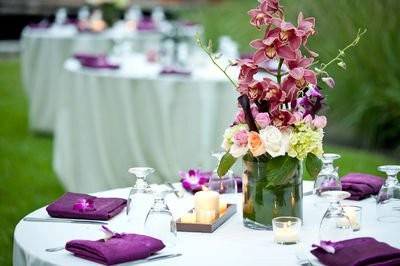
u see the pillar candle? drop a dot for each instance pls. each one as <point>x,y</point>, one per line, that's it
<point>206,204</point>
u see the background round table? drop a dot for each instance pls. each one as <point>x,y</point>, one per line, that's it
<point>111,120</point>
<point>43,54</point>
<point>231,244</point>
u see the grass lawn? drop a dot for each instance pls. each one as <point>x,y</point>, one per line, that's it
<point>27,181</point>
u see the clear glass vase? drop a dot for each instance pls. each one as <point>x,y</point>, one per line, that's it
<point>270,192</point>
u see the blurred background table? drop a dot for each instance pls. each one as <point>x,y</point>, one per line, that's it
<point>43,54</point>
<point>110,120</point>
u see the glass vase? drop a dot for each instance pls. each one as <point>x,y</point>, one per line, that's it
<point>270,191</point>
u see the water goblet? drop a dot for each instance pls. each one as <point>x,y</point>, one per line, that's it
<point>328,177</point>
<point>140,197</point>
<point>335,224</point>
<point>159,221</point>
<point>388,199</point>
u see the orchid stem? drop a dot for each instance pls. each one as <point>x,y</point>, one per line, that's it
<point>341,52</point>
<point>279,74</point>
<point>208,51</point>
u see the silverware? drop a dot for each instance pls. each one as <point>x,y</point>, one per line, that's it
<point>55,249</point>
<point>155,258</point>
<point>178,194</point>
<point>62,220</point>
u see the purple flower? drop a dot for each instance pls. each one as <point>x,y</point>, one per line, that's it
<point>194,179</point>
<point>312,102</point>
<point>83,205</point>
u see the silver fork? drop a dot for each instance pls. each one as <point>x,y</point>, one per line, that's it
<point>55,249</point>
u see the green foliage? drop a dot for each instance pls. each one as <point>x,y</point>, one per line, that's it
<point>313,165</point>
<point>366,100</point>
<point>227,161</point>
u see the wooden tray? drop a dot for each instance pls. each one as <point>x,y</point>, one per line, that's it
<point>207,228</point>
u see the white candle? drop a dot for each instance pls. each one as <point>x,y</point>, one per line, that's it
<point>351,213</point>
<point>222,207</point>
<point>189,218</point>
<point>286,234</point>
<point>206,204</point>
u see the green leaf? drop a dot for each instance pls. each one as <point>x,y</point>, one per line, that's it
<point>280,170</point>
<point>313,165</point>
<point>225,164</point>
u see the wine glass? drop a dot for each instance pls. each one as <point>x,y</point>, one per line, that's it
<point>388,199</point>
<point>328,177</point>
<point>159,221</point>
<point>140,197</point>
<point>225,185</point>
<point>335,225</point>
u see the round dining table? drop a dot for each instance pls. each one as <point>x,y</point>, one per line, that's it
<point>111,120</point>
<point>230,244</point>
<point>43,53</point>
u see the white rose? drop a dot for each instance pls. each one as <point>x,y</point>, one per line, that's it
<point>275,142</point>
<point>238,151</point>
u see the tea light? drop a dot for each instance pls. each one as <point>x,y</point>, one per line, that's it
<point>189,218</point>
<point>222,207</point>
<point>286,230</point>
<point>354,215</point>
<point>206,205</point>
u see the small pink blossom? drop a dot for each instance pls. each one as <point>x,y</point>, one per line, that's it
<point>263,13</point>
<point>307,25</point>
<point>239,117</point>
<point>289,33</point>
<point>263,120</point>
<point>319,121</point>
<point>329,81</point>
<point>240,138</point>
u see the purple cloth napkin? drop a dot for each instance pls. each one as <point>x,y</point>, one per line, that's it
<point>361,186</point>
<point>146,24</point>
<point>104,208</point>
<point>98,61</point>
<point>118,249</point>
<point>363,251</point>
<point>174,71</point>
<point>40,25</point>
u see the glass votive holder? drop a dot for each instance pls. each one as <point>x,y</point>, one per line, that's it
<point>354,213</point>
<point>286,230</point>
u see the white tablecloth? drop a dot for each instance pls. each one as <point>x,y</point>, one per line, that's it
<point>232,244</point>
<point>109,121</point>
<point>42,57</point>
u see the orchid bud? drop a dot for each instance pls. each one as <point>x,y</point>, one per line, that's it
<point>342,64</point>
<point>329,81</point>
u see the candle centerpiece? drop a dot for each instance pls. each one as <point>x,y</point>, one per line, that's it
<point>206,206</point>
<point>286,230</point>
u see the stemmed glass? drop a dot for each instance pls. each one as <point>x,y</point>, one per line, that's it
<point>159,222</point>
<point>328,178</point>
<point>225,185</point>
<point>388,199</point>
<point>335,225</point>
<point>140,196</point>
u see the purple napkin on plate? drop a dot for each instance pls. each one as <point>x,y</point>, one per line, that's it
<point>174,71</point>
<point>87,56</point>
<point>95,61</point>
<point>117,249</point>
<point>363,251</point>
<point>40,25</point>
<point>83,206</point>
<point>146,24</point>
<point>361,186</point>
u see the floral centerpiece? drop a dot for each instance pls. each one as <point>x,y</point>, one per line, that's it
<point>278,125</point>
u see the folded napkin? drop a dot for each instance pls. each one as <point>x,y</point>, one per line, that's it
<point>40,25</point>
<point>174,71</point>
<point>361,186</point>
<point>83,206</point>
<point>98,61</point>
<point>363,251</point>
<point>117,249</point>
<point>146,24</point>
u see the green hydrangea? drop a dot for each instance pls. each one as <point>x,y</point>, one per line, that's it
<point>304,140</point>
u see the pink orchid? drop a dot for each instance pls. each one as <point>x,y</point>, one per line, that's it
<point>288,33</point>
<point>271,46</point>
<point>329,81</point>
<point>262,120</point>
<point>239,117</point>
<point>298,79</point>
<point>307,25</point>
<point>247,70</point>
<point>300,61</point>
<point>263,13</point>
<point>282,118</point>
<point>273,94</point>
<point>194,179</point>
<point>255,90</point>
<point>83,205</point>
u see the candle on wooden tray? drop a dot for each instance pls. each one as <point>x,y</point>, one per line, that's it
<point>189,218</point>
<point>206,205</point>
<point>222,207</point>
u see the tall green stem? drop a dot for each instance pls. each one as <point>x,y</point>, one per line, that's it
<point>279,74</point>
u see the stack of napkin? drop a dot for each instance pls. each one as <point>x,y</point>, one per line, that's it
<point>98,61</point>
<point>117,249</point>
<point>93,208</point>
<point>361,186</point>
<point>363,251</point>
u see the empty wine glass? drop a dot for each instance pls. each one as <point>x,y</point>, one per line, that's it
<point>335,225</point>
<point>140,197</point>
<point>225,185</point>
<point>388,199</point>
<point>328,177</point>
<point>159,222</point>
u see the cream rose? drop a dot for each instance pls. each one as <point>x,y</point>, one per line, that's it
<point>276,143</point>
